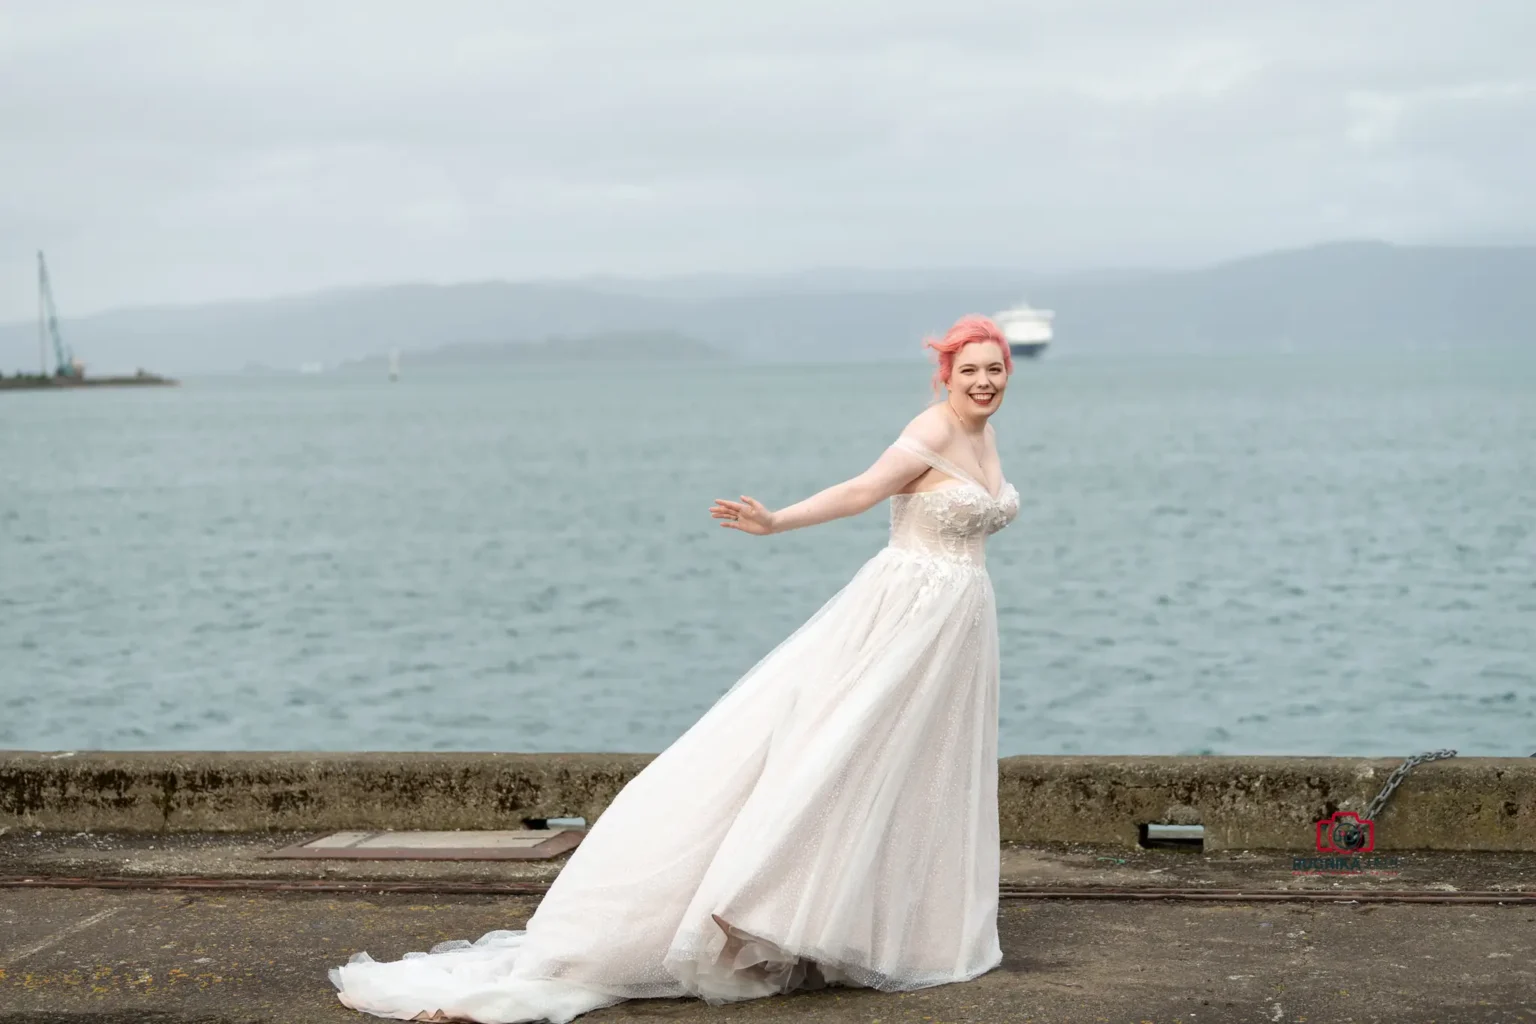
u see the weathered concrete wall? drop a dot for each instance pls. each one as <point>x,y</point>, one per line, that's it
<point>1243,802</point>
<point>237,792</point>
<point>1257,803</point>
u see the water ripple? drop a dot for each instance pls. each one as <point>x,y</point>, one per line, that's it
<point>1246,555</point>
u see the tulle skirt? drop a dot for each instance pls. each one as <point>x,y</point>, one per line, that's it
<point>832,819</point>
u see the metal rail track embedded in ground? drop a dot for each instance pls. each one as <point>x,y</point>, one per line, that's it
<point>1007,892</point>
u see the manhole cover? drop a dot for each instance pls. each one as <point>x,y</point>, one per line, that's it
<point>523,844</point>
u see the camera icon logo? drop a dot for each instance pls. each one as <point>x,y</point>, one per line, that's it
<point>1345,832</point>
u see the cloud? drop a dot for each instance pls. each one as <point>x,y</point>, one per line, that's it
<point>180,152</point>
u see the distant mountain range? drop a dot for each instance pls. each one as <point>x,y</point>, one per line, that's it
<point>608,347</point>
<point>1345,294</point>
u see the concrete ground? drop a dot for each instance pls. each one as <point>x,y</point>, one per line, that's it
<point>1159,945</point>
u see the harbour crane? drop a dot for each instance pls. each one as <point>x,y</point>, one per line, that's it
<point>65,364</point>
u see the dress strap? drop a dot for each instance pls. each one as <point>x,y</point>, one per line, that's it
<point>935,460</point>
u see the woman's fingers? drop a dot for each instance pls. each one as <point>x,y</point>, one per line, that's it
<point>747,515</point>
<point>728,511</point>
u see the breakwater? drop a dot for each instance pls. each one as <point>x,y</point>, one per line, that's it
<point>1471,803</point>
<point>38,382</point>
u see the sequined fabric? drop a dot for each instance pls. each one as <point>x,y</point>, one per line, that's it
<point>831,819</point>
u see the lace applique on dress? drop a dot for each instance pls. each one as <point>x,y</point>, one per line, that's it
<point>950,523</point>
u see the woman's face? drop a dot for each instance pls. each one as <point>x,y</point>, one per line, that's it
<point>978,379</point>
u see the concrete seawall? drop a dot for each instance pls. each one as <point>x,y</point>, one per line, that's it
<point>1260,803</point>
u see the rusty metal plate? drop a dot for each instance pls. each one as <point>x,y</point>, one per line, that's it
<point>521,844</point>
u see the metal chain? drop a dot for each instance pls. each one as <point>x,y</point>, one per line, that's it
<point>1398,776</point>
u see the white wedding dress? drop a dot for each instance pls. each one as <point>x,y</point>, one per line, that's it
<point>832,818</point>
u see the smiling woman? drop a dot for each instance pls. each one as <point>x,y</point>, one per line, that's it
<point>832,819</point>
<point>974,365</point>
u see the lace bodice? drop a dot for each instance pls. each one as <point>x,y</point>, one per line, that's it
<point>952,522</point>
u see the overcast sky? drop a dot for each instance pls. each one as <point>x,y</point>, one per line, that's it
<point>189,151</point>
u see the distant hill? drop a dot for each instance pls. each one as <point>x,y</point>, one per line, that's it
<point>1348,294</point>
<point>608,347</point>
<point>1344,294</point>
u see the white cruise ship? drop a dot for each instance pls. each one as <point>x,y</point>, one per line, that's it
<point>1027,329</point>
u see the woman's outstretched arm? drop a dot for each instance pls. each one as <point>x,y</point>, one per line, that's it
<point>892,471</point>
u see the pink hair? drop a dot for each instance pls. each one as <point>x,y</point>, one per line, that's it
<point>967,329</point>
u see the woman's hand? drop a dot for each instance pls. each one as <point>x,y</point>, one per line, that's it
<point>747,515</point>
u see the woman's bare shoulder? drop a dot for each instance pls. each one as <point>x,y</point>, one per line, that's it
<point>931,426</point>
